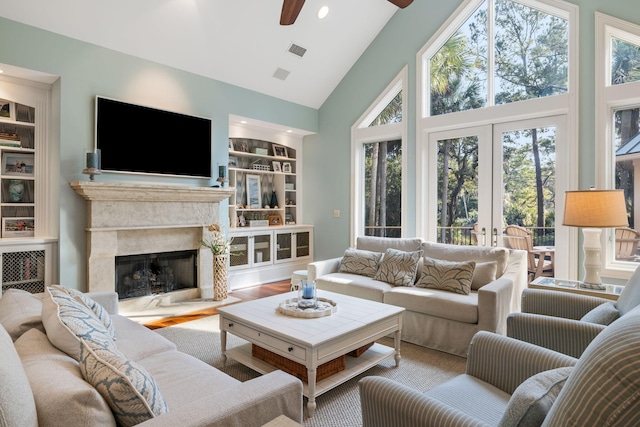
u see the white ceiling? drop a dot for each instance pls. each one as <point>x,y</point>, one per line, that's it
<point>235,41</point>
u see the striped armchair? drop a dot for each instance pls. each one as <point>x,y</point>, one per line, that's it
<point>513,383</point>
<point>568,322</point>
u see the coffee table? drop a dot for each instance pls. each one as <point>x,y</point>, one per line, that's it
<point>313,341</point>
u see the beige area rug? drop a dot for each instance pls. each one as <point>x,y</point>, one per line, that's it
<point>148,310</point>
<point>420,369</point>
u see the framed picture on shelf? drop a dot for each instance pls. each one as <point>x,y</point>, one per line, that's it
<point>17,164</point>
<point>242,146</point>
<point>18,227</point>
<point>279,150</point>
<point>230,144</point>
<point>233,162</point>
<point>275,220</point>
<point>253,192</point>
<point>5,108</point>
<point>276,167</point>
<point>286,167</point>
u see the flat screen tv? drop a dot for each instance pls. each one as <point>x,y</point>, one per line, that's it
<point>138,139</point>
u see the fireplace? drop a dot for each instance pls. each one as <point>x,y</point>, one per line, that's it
<point>153,274</point>
<point>126,219</point>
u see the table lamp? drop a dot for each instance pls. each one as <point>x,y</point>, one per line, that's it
<point>593,210</point>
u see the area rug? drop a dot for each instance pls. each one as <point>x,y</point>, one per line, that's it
<point>420,369</point>
<point>149,310</point>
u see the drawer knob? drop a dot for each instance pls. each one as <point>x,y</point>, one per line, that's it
<point>290,349</point>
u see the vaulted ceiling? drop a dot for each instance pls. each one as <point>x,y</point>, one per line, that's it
<point>239,42</point>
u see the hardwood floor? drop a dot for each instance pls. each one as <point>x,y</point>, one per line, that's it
<point>247,294</point>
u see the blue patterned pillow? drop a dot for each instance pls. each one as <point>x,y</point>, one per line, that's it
<point>66,320</point>
<point>97,309</point>
<point>358,261</point>
<point>128,388</point>
<point>399,268</point>
<point>446,275</point>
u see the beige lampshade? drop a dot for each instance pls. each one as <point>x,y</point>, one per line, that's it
<point>595,208</point>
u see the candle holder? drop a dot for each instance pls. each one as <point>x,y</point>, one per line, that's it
<point>307,297</point>
<point>93,165</point>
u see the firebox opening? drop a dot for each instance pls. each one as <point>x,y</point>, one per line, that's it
<point>158,273</point>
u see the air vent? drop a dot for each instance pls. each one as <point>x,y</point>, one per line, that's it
<point>297,50</point>
<point>281,74</point>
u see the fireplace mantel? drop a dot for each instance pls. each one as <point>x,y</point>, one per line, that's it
<point>139,218</point>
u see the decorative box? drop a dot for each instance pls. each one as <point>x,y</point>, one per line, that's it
<point>259,223</point>
<point>261,151</point>
<point>289,186</point>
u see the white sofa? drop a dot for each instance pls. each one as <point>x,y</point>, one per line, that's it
<point>41,385</point>
<point>436,318</point>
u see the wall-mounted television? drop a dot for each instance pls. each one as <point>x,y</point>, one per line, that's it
<point>137,139</point>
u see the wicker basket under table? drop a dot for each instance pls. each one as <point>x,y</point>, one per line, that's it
<point>297,369</point>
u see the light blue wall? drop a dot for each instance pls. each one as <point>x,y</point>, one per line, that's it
<point>85,71</point>
<point>397,45</point>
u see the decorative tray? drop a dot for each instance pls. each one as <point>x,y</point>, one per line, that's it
<point>324,307</point>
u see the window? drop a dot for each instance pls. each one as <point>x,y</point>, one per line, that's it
<point>378,180</point>
<point>497,120</point>
<point>617,130</point>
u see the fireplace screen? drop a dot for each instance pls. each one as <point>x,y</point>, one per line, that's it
<point>150,274</point>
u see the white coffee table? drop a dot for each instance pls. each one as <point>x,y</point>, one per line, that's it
<point>313,341</point>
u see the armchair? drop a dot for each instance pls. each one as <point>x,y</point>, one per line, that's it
<point>513,383</point>
<point>568,322</point>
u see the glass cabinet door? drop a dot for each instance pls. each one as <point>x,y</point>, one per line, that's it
<point>262,249</point>
<point>239,251</point>
<point>283,246</point>
<point>303,248</point>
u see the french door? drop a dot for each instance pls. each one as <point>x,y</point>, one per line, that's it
<point>497,175</point>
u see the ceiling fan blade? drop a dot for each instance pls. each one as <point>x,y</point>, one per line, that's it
<point>401,3</point>
<point>290,11</point>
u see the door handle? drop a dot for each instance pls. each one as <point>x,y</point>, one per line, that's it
<point>495,237</point>
<point>484,236</point>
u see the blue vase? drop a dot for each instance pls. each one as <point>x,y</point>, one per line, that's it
<point>16,190</point>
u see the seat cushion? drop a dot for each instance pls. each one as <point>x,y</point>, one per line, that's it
<point>130,334</point>
<point>359,261</point>
<point>531,401</point>
<point>72,401</point>
<point>17,406</point>
<point>435,302</point>
<point>468,253</point>
<point>20,311</point>
<point>447,276</point>
<point>353,285</point>
<point>398,268</point>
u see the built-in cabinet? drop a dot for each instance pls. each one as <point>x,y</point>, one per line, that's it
<point>268,240</point>
<point>28,252</point>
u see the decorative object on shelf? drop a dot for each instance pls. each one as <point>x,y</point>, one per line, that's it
<point>17,164</point>
<point>286,167</point>
<point>222,176</point>
<point>279,150</point>
<point>219,246</point>
<point>233,162</point>
<point>242,221</point>
<point>260,151</point>
<point>16,190</point>
<point>289,186</point>
<point>253,191</point>
<point>324,307</point>
<point>276,166</point>
<point>260,165</point>
<point>307,297</point>
<point>288,219</point>
<point>93,165</point>
<point>18,227</point>
<point>274,200</point>
<point>242,146</point>
<point>593,210</point>
<point>10,139</point>
<point>5,108</point>
<point>275,220</point>
<point>265,201</point>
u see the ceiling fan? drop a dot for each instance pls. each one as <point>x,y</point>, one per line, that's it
<point>291,9</point>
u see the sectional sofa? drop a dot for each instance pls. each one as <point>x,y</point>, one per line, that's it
<point>58,363</point>
<point>449,292</point>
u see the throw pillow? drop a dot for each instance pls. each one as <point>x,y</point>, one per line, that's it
<point>531,401</point>
<point>20,311</point>
<point>447,276</point>
<point>128,388</point>
<point>359,261</point>
<point>485,272</point>
<point>97,309</point>
<point>603,314</point>
<point>66,320</point>
<point>398,268</point>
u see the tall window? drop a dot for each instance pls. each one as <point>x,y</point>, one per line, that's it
<point>618,127</point>
<point>378,178</point>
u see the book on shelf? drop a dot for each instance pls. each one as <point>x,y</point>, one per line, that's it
<point>9,143</point>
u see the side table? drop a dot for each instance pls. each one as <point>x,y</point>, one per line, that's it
<point>551,283</point>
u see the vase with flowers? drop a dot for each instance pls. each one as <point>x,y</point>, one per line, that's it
<point>219,246</point>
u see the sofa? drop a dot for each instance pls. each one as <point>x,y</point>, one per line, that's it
<point>114,371</point>
<point>449,292</point>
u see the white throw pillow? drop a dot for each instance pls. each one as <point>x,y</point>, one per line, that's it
<point>484,273</point>
<point>66,320</point>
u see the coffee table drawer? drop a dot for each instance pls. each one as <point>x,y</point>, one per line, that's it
<point>265,339</point>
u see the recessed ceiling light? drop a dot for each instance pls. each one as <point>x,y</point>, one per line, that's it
<point>323,12</point>
<point>289,131</point>
<point>244,122</point>
<point>1,71</point>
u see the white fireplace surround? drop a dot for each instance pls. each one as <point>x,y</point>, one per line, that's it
<point>140,218</point>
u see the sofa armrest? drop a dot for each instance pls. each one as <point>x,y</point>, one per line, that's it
<point>320,268</point>
<point>107,299</point>
<point>494,305</point>
<point>566,336</point>
<point>506,362</point>
<point>385,402</point>
<point>559,304</point>
<point>251,403</point>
